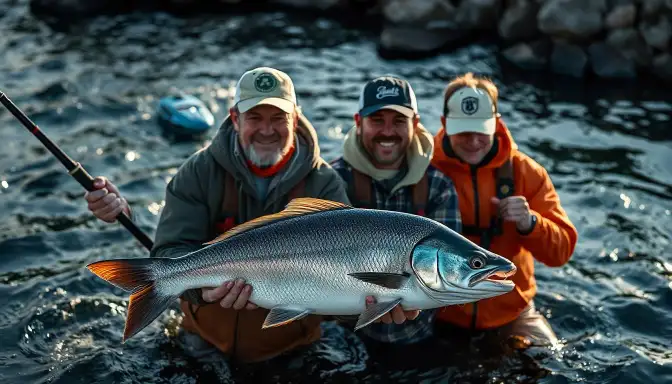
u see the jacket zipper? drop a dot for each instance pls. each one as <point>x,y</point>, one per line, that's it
<point>474,181</point>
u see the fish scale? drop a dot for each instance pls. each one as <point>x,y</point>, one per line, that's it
<point>330,244</point>
<point>319,257</point>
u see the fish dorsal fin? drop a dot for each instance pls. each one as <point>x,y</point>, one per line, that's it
<point>297,207</point>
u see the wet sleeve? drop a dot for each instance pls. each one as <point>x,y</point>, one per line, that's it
<point>444,207</point>
<point>553,238</point>
<point>183,225</point>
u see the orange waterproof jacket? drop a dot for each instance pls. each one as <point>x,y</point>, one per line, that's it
<point>551,242</point>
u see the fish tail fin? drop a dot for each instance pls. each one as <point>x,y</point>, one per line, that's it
<point>127,274</point>
<point>148,300</point>
<point>144,306</point>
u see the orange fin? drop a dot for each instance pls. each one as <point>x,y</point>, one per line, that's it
<point>144,306</point>
<point>127,274</point>
<point>297,207</point>
<point>148,299</point>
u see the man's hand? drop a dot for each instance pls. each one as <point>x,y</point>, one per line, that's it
<point>232,294</point>
<point>516,209</point>
<point>398,315</point>
<point>106,202</point>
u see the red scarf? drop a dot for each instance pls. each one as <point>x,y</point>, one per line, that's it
<point>273,169</point>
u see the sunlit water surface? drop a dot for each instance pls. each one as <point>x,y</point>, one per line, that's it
<point>95,90</point>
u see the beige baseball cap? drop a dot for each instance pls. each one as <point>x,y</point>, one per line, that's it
<point>470,109</point>
<point>265,86</point>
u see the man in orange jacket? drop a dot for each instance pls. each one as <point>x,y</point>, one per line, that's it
<point>508,205</point>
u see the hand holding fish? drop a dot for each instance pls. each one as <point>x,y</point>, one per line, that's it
<point>516,209</point>
<point>106,202</point>
<point>397,314</point>
<point>232,294</point>
<point>427,267</point>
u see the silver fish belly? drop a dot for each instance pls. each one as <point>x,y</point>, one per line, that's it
<point>307,262</point>
<point>320,257</point>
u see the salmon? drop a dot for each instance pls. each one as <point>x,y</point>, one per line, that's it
<point>320,257</point>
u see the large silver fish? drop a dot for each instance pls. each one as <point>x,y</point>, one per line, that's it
<point>320,257</point>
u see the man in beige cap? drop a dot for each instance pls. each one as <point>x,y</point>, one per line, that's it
<point>264,154</point>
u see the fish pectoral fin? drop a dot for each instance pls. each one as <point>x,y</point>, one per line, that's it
<point>284,315</point>
<point>374,312</point>
<point>387,280</point>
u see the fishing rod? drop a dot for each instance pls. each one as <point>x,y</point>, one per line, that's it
<point>74,168</point>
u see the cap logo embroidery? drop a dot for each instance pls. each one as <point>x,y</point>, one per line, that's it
<point>265,83</point>
<point>384,92</point>
<point>469,105</point>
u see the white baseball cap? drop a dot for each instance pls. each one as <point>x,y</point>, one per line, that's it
<point>265,86</point>
<point>470,109</point>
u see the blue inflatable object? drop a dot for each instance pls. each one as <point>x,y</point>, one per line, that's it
<point>184,115</point>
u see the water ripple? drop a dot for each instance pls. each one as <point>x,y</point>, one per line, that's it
<point>94,89</point>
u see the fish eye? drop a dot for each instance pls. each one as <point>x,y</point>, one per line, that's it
<point>477,262</point>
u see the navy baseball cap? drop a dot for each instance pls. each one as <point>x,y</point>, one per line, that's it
<point>387,92</point>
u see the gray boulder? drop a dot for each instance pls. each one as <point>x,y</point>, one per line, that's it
<point>662,66</point>
<point>413,12</point>
<point>519,21</point>
<point>631,44</point>
<point>478,14</point>
<point>621,16</point>
<point>657,33</point>
<point>652,8</point>
<point>606,61</point>
<point>568,59</point>
<point>571,19</point>
<point>315,4</point>
<point>533,56</point>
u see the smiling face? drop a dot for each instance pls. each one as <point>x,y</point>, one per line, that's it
<point>385,135</point>
<point>470,116</point>
<point>470,147</point>
<point>266,133</point>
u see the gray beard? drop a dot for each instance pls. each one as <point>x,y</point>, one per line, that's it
<point>265,160</point>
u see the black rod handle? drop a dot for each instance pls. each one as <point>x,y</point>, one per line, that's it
<point>74,168</point>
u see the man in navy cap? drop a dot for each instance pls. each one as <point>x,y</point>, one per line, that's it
<point>386,165</point>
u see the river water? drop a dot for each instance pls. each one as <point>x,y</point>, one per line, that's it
<point>94,91</point>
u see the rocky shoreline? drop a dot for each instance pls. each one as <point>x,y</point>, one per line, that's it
<point>614,39</point>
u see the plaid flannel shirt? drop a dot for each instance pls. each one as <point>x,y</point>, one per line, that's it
<point>442,206</point>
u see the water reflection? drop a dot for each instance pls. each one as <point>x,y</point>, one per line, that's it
<point>95,89</point>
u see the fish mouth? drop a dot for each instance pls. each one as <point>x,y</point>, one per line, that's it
<point>496,277</point>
